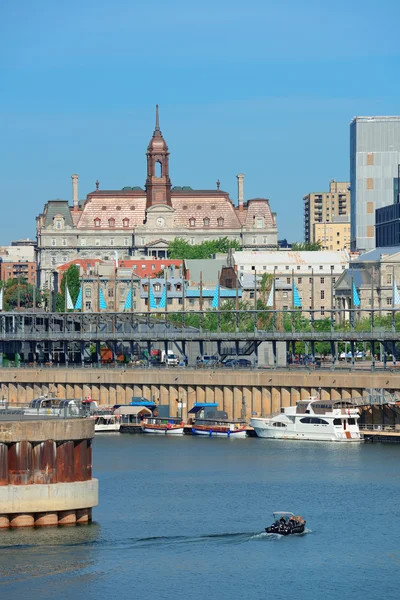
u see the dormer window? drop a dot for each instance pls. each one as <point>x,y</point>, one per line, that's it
<point>206,222</point>
<point>97,222</point>
<point>220,221</point>
<point>125,222</point>
<point>192,222</point>
<point>59,223</point>
<point>111,222</point>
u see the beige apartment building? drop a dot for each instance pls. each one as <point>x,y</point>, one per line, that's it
<point>334,234</point>
<point>313,273</point>
<point>324,207</point>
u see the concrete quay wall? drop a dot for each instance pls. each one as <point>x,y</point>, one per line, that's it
<point>262,392</point>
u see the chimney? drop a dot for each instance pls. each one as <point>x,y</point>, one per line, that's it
<point>240,179</point>
<point>75,197</point>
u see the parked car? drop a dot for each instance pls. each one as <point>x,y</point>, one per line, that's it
<point>238,363</point>
<point>207,360</point>
<point>348,355</point>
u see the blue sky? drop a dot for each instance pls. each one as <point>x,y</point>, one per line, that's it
<point>259,87</point>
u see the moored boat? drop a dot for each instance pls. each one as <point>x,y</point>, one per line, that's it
<point>106,423</point>
<point>219,429</point>
<point>312,419</point>
<point>210,421</point>
<point>163,426</point>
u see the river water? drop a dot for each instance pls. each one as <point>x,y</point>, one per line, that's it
<point>183,518</point>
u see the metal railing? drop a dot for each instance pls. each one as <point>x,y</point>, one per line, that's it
<point>380,428</point>
<point>25,410</point>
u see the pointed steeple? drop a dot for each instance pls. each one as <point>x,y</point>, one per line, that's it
<point>158,183</point>
<point>157,129</point>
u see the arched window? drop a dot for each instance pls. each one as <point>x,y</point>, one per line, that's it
<point>125,222</point>
<point>158,169</point>
<point>206,222</point>
<point>97,222</point>
<point>220,221</point>
<point>111,222</point>
<point>192,222</point>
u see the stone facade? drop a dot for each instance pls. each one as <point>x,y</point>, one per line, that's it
<point>313,273</point>
<point>136,220</point>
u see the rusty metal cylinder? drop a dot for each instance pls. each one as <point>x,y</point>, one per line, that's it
<point>67,517</point>
<point>3,464</point>
<point>65,462</point>
<point>22,520</point>
<point>80,460</point>
<point>44,462</point>
<point>46,519</point>
<point>20,463</point>
<point>89,460</point>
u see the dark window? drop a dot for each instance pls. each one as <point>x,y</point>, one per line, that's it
<point>337,421</point>
<point>351,421</point>
<point>314,421</point>
<point>279,424</point>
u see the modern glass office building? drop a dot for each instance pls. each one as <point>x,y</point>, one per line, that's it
<point>374,160</point>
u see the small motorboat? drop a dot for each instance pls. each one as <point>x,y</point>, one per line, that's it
<point>286,523</point>
<point>163,426</point>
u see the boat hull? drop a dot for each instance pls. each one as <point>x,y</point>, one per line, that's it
<point>286,530</point>
<point>163,430</point>
<point>112,428</point>
<point>306,436</point>
<point>219,432</point>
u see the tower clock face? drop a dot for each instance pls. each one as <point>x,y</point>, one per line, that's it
<point>160,222</point>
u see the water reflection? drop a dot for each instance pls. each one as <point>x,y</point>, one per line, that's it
<point>46,551</point>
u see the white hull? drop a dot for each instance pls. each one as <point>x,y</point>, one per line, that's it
<point>164,431</point>
<point>106,428</point>
<point>317,437</point>
<point>327,432</point>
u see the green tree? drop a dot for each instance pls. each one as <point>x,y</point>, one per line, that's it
<point>180,249</point>
<point>71,277</point>
<point>18,292</point>
<point>313,246</point>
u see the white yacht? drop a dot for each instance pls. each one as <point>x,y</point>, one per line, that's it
<point>312,419</point>
<point>106,422</point>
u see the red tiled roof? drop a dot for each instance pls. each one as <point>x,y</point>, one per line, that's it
<point>130,208</point>
<point>81,262</point>
<point>151,267</point>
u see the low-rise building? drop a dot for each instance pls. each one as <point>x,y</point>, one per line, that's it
<point>311,274</point>
<point>20,269</point>
<point>334,234</point>
<point>375,276</point>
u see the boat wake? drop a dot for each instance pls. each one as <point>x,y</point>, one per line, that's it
<point>225,538</point>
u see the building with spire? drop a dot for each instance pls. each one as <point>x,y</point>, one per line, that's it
<point>143,221</point>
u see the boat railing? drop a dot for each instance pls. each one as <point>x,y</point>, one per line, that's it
<point>220,422</point>
<point>162,420</point>
<point>379,427</point>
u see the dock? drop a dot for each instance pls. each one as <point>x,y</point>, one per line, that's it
<point>380,433</point>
